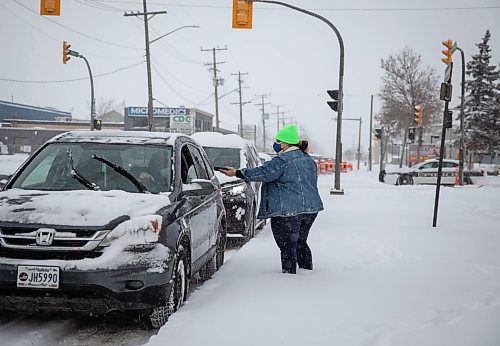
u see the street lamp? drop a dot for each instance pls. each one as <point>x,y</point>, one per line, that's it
<point>170,32</point>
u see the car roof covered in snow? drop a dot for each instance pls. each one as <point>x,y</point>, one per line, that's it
<point>121,137</point>
<point>219,140</point>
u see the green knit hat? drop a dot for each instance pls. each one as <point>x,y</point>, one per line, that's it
<point>288,134</point>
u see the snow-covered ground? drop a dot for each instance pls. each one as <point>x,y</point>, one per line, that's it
<point>383,277</point>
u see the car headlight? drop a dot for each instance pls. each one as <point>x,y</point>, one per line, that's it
<point>235,189</point>
<point>137,234</point>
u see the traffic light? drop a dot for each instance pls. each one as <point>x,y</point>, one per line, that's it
<point>411,133</point>
<point>419,115</point>
<point>378,133</point>
<point>448,119</point>
<point>50,7</point>
<point>334,94</point>
<point>448,52</point>
<point>66,51</point>
<point>242,14</point>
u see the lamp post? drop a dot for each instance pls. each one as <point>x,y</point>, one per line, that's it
<point>170,32</point>
<point>338,144</point>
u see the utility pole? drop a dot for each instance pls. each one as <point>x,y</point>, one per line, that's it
<point>145,14</point>
<point>217,81</point>
<point>278,117</point>
<point>462,142</point>
<point>371,135</point>
<point>262,104</point>
<point>240,81</point>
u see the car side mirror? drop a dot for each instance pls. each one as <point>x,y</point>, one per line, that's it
<point>198,187</point>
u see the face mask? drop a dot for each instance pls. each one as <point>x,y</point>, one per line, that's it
<point>277,147</point>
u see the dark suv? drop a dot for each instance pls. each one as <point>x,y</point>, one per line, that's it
<point>102,221</point>
<point>241,198</point>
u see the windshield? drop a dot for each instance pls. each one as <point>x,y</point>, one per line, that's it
<point>223,156</point>
<point>51,168</point>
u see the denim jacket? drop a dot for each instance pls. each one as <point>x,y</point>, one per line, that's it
<point>289,185</point>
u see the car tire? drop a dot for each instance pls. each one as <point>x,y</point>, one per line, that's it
<point>251,227</point>
<point>221,247</point>
<point>404,179</point>
<point>178,293</point>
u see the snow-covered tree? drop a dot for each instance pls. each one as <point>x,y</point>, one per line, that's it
<point>482,101</point>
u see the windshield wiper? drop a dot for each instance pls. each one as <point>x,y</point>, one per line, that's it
<point>137,183</point>
<point>77,176</point>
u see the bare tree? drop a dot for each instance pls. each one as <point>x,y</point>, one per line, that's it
<point>105,108</point>
<point>406,84</point>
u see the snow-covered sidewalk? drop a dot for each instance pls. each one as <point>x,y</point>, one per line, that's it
<point>383,276</point>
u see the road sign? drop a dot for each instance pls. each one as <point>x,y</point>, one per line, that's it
<point>447,74</point>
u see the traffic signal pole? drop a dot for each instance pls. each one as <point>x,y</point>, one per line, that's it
<point>66,56</point>
<point>92,100</point>
<point>336,190</point>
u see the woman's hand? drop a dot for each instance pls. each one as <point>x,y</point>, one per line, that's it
<point>229,171</point>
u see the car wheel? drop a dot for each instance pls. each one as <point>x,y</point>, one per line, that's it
<point>404,179</point>
<point>221,247</point>
<point>177,296</point>
<point>251,227</point>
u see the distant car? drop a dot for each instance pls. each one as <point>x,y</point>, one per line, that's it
<point>425,172</point>
<point>241,199</point>
<point>102,221</point>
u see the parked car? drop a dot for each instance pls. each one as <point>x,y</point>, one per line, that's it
<point>425,172</point>
<point>103,221</point>
<point>241,199</point>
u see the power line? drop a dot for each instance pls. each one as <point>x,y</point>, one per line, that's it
<point>76,31</point>
<point>67,80</point>
<point>458,8</point>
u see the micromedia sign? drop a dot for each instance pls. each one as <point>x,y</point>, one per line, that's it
<point>157,111</point>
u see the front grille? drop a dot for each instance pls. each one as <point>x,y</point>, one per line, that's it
<point>31,240</point>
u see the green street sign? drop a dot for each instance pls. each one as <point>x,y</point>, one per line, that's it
<point>454,47</point>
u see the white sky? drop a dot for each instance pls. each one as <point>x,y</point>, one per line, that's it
<point>289,55</point>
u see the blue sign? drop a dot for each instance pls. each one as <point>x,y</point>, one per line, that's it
<point>157,112</point>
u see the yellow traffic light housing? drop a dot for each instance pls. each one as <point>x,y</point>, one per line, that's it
<point>65,52</point>
<point>50,7</point>
<point>242,14</point>
<point>448,51</point>
<point>419,115</point>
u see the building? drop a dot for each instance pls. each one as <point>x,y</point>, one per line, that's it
<point>11,110</point>
<point>178,120</point>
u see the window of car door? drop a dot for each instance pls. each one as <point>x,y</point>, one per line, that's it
<point>199,163</point>
<point>188,170</point>
<point>429,165</point>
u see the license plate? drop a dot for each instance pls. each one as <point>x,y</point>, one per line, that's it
<point>38,277</point>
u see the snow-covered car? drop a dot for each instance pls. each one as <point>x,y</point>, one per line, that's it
<point>241,199</point>
<point>102,221</point>
<point>425,172</point>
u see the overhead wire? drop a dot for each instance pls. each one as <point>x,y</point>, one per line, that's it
<point>69,80</point>
<point>170,86</point>
<point>447,8</point>
<point>76,31</point>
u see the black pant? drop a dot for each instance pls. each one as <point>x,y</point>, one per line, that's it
<point>290,234</point>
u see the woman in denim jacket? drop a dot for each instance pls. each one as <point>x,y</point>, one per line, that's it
<point>289,196</point>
